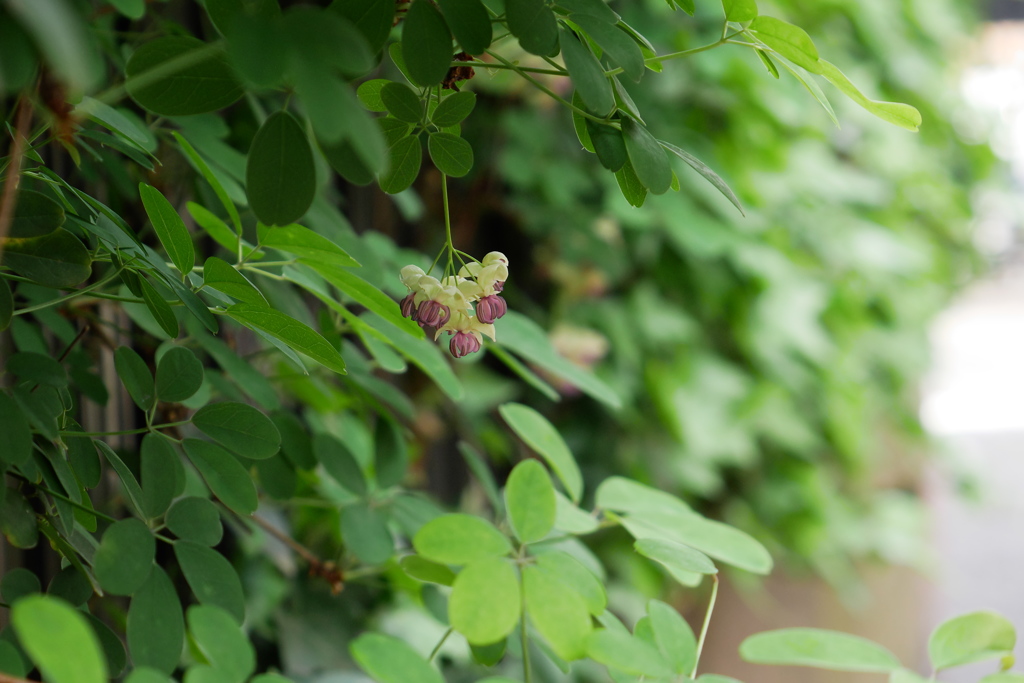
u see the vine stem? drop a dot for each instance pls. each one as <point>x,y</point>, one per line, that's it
<point>527,676</point>
<point>707,621</point>
<point>23,119</point>
<point>683,53</point>
<point>543,88</point>
<point>514,67</point>
<point>68,297</point>
<point>141,430</point>
<point>326,569</point>
<point>437,648</point>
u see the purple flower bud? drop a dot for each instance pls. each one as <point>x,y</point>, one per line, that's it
<point>499,285</point>
<point>409,305</point>
<point>433,314</point>
<point>463,343</point>
<point>490,308</point>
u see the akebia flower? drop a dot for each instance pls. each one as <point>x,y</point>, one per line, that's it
<point>465,305</point>
<point>490,308</point>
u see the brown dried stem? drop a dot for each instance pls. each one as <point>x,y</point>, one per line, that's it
<point>325,569</point>
<point>23,118</point>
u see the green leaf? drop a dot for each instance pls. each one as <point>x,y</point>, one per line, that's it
<point>221,641</point>
<point>369,296</point>
<point>615,43</point>
<point>673,636</point>
<point>6,305</point>
<point>971,638</point>
<point>721,541</point>
<point>401,102</point>
<point>534,24</point>
<point>179,374</point>
<point>210,178</point>
<point>459,539</point>
<point>897,113</point>
<point>470,23</point>
<point>239,427</point>
<point>161,469</point>
<point>404,160</point>
<point>557,611</point>
<point>622,652</point>
<point>587,74</point>
<point>169,227</point>
<point>542,437</point>
<point>316,33</point>
<point>225,476</point>
<point>453,109</point>
<point>146,674</point>
<point>280,180</point>
<point>423,569</point>
<point>819,648</point>
<point>647,157</point>
<point>307,245</point>
<point>368,93</point>
<point>125,557</point>
<point>295,440</point>
<point>135,376</point>
<point>390,455</point>
<point>594,8</point>
<point>364,529</point>
<point>195,519</point>
<point>339,463</point>
<point>128,481</point>
<point>484,605</point>
<point>740,10</point>
<point>17,583</point>
<point>768,63</point>
<point>373,18</point>
<point>18,520</point>
<point>214,226</point>
<point>675,555</point>
<point>571,519</point>
<point>220,275</point>
<point>709,175</point>
<point>578,579</point>
<point>295,334</point>
<point>37,368</point>
<point>344,159</point>
<point>625,495</point>
<point>211,577</point>
<point>608,144</point>
<point>426,355</point>
<point>812,87</point>
<point>426,44</point>
<point>35,215</point>
<point>180,76</point>
<point>17,433</point>
<point>58,260</point>
<point>908,676</point>
<point>390,660</point>
<point>530,501</point>
<point>160,309</point>
<point>1002,677</point>
<point>59,640</point>
<point>451,154</point>
<point>630,186</point>
<point>789,41</point>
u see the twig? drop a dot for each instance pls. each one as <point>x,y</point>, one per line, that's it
<point>325,569</point>
<point>7,678</point>
<point>23,119</point>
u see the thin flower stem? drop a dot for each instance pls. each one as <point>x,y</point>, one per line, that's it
<point>707,621</point>
<point>450,270</point>
<point>437,648</point>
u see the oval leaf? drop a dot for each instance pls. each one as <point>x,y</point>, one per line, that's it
<point>971,638</point>
<point>220,275</point>
<point>453,109</point>
<point>390,660</point>
<point>156,626</point>
<point>179,374</point>
<point>542,437</point>
<point>205,82</point>
<point>451,154</point>
<point>790,41</point>
<point>58,260</point>
<point>339,463</point>
<point>211,577</point>
<point>404,160</point>
<point>470,23</point>
<point>222,642</point>
<point>819,648</point>
<point>125,557</point>
<point>648,159</point>
<point>135,376</point>
<point>239,427</point>
<point>484,605</point>
<point>169,227</point>
<point>623,652</point>
<point>426,44</point>
<point>225,476</point>
<point>530,501</point>
<point>587,74</point>
<point>557,611</point>
<point>675,555</point>
<point>401,102</point>
<point>35,215</point>
<point>59,640</point>
<point>307,245</point>
<point>364,530</point>
<point>534,24</point>
<point>295,334</point>
<point>280,180</point>
<point>161,470</point>
<point>459,539</point>
<point>195,519</point>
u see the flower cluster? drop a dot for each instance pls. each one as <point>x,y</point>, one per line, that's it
<point>464,305</point>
